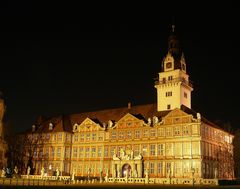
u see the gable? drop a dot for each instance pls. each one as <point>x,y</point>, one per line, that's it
<point>89,125</point>
<point>129,120</point>
<point>177,116</point>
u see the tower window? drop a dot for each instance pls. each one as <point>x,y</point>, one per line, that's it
<point>169,93</point>
<point>164,80</point>
<point>170,78</point>
<point>185,95</point>
<point>168,106</point>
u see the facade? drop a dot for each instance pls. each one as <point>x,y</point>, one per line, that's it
<point>166,139</point>
<point>3,145</point>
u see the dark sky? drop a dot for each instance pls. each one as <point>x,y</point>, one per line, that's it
<point>74,58</point>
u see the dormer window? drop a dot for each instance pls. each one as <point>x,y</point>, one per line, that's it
<point>50,126</point>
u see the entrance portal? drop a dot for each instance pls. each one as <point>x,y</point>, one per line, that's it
<point>126,170</point>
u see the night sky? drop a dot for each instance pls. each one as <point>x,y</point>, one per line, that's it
<point>76,58</point>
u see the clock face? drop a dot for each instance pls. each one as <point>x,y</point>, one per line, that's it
<point>168,64</point>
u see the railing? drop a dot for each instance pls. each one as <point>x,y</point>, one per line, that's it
<point>179,79</point>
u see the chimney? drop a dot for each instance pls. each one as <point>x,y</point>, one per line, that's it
<point>129,105</point>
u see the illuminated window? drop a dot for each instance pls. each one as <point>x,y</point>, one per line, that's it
<point>195,148</point>
<point>178,167</point>
<point>153,133</point>
<point>105,151</point>
<point>186,148</point>
<point>185,130</point>
<point>114,135</point>
<point>99,151</point>
<point>161,149</point>
<point>121,135</point>
<point>176,130</point>
<point>75,151</point>
<point>129,134</point>
<point>137,134</point>
<point>93,151</point>
<point>160,169</point>
<point>152,149</point>
<point>59,137</point>
<point>94,136</point>
<point>59,152</point>
<point>161,132</point>
<point>75,137</point>
<point>81,152</point>
<point>151,171</point>
<point>68,137</point>
<point>169,149</point>
<point>100,136</point>
<point>145,133</point>
<point>67,152</point>
<point>82,137</point>
<point>169,93</point>
<point>88,137</point>
<point>178,149</point>
<point>168,131</point>
<point>87,152</point>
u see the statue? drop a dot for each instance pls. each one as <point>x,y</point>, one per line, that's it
<point>149,121</point>
<point>138,157</point>
<point>15,171</point>
<point>3,172</point>
<point>28,171</point>
<point>110,123</point>
<point>131,154</point>
<point>147,176</point>
<point>42,172</point>
<point>135,173</point>
<point>115,155</point>
<point>73,175</point>
<point>122,153</point>
<point>88,173</point>
<point>106,177</point>
<point>155,120</point>
<point>57,173</point>
<point>199,116</point>
<point>101,174</point>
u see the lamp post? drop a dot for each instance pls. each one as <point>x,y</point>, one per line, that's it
<point>193,171</point>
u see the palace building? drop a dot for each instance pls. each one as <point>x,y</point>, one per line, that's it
<point>166,139</point>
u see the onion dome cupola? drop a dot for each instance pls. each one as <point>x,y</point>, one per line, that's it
<point>174,58</point>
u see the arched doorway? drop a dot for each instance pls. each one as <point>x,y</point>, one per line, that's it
<point>126,170</point>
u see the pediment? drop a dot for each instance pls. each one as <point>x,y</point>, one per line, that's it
<point>89,125</point>
<point>129,120</point>
<point>176,113</point>
<point>177,116</point>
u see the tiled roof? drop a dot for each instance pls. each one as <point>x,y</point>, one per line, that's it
<point>65,123</point>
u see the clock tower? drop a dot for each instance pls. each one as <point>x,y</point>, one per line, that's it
<point>173,85</point>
